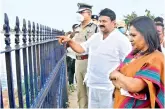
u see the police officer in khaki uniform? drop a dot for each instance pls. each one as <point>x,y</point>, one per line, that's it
<point>83,33</point>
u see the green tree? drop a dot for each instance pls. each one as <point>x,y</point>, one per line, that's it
<point>133,15</point>
<point>148,14</point>
<point>129,17</point>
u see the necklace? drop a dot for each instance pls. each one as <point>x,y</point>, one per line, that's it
<point>136,56</point>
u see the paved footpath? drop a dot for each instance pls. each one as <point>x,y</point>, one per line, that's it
<point>73,99</point>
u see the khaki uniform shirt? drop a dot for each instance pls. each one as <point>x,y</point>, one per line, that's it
<point>83,34</point>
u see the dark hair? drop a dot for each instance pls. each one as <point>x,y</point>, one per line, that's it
<point>74,26</point>
<point>159,24</point>
<point>159,19</point>
<point>109,13</point>
<point>147,28</point>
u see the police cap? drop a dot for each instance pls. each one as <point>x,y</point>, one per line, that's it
<point>84,6</point>
<point>95,17</point>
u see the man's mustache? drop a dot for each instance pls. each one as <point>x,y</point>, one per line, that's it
<point>102,26</point>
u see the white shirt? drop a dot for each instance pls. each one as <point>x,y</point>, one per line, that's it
<point>71,53</point>
<point>104,56</point>
<point>163,49</point>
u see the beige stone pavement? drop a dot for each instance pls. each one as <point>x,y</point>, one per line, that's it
<point>73,99</point>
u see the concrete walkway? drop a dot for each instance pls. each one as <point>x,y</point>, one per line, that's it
<point>73,99</point>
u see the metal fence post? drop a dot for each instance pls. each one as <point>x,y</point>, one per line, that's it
<point>6,28</point>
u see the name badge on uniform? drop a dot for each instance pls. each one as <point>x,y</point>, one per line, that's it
<point>89,33</point>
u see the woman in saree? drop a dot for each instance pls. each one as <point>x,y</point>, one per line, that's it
<point>139,80</point>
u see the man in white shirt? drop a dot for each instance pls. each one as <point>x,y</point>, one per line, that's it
<point>160,29</point>
<point>71,57</point>
<point>106,50</point>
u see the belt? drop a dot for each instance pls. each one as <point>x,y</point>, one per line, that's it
<point>82,57</point>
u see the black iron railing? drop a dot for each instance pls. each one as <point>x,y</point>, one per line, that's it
<point>44,66</point>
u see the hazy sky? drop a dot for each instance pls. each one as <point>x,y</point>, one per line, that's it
<point>61,14</point>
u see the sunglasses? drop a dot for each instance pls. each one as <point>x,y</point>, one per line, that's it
<point>81,12</point>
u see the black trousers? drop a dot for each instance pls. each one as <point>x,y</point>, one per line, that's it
<point>70,69</point>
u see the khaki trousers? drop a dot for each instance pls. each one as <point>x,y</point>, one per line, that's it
<point>80,71</point>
